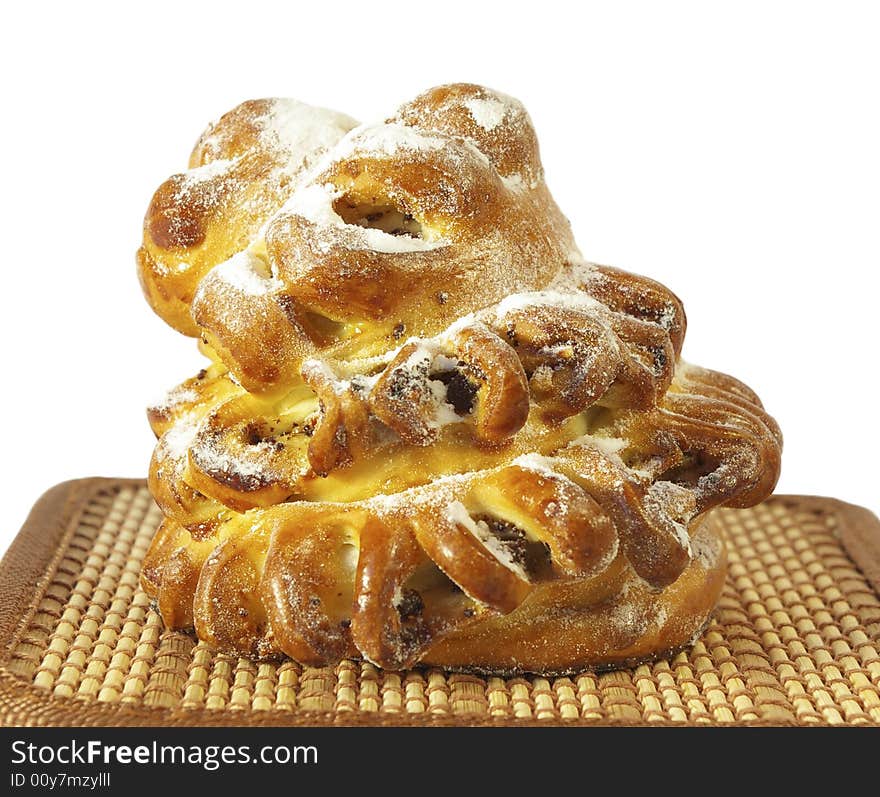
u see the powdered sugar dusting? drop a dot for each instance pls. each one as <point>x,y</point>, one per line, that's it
<point>251,464</point>
<point>386,139</point>
<point>247,273</point>
<point>174,398</point>
<point>315,203</point>
<point>437,490</point>
<point>294,133</point>
<point>610,446</point>
<point>516,182</point>
<point>672,506</point>
<point>209,171</point>
<point>487,113</point>
<point>537,463</point>
<point>207,186</point>
<point>577,272</point>
<point>427,359</point>
<point>706,549</point>
<point>549,298</point>
<point>457,513</point>
<point>628,615</point>
<point>178,440</point>
<point>661,616</point>
<point>304,130</point>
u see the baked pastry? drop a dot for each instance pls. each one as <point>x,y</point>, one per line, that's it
<point>429,431</point>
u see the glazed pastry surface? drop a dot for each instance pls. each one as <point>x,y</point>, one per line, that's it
<point>429,431</point>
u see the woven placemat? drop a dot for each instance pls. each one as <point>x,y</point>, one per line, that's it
<point>794,641</point>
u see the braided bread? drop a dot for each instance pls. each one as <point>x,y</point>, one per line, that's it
<point>429,432</point>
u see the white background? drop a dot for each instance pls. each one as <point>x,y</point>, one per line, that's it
<point>729,151</point>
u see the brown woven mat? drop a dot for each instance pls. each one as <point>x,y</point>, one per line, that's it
<point>795,639</point>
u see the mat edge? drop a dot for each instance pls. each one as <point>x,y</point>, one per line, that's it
<point>859,534</point>
<point>37,552</point>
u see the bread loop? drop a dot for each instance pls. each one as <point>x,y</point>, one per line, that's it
<point>308,582</point>
<point>648,364</point>
<point>501,401</point>
<point>169,484</point>
<point>571,357</point>
<point>251,324</point>
<point>175,421</point>
<point>729,451</point>
<point>498,125</point>
<point>173,566</point>
<point>638,297</point>
<point>569,534</point>
<point>243,456</point>
<point>241,171</point>
<point>228,610</point>
<point>342,429</point>
<point>653,534</point>
<point>473,554</point>
<point>403,600</point>
<point>468,375</point>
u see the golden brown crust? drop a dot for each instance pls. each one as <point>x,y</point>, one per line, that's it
<point>589,521</point>
<point>240,172</point>
<point>430,431</point>
<point>563,626</point>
